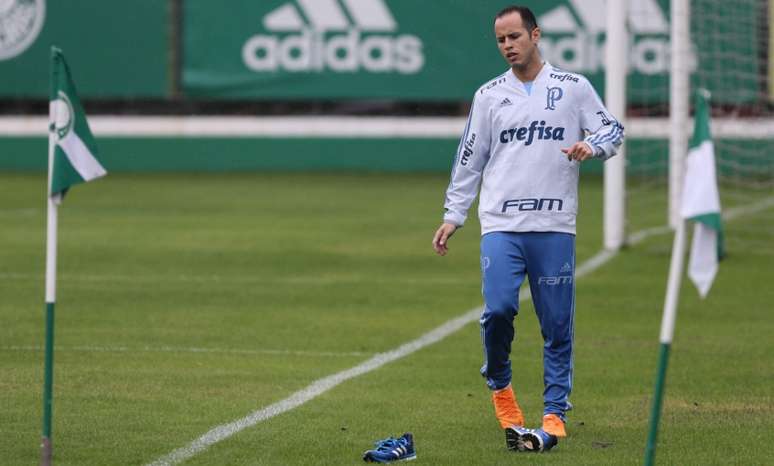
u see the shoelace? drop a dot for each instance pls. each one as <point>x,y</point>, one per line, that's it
<point>389,444</point>
<point>386,444</point>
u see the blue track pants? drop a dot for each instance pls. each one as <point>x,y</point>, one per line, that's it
<point>549,261</point>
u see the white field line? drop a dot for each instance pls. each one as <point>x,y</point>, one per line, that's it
<point>337,127</point>
<point>173,349</point>
<point>640,236</point>
<point>325,384</point>
<point>314,390</point>
<point>730,214</point>
<point>754,208</point>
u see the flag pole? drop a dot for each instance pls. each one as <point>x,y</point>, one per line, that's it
<point>46,447</point>
<point>667,332</point>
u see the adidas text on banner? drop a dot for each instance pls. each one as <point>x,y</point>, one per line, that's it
<point>572,36</point>
<point>328,41</point>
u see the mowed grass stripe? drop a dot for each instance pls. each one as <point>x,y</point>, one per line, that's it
<point>317,388</point>
<point>267,281</point>
<point>171,349</point>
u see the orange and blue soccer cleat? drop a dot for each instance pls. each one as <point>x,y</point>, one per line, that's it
<point>510,417</point>
<point>507,408</point>
<point>554,425</point>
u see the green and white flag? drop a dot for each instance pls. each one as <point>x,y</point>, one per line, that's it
<point>701,200</point>
<point>75,153</point>
<point>72,159</point>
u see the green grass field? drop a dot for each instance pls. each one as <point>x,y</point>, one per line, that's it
<point>188,301</point>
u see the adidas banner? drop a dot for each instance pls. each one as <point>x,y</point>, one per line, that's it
<point>406,49</point>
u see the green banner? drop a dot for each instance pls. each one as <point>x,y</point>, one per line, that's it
<point>338,49</point>
<point>412,50</point>
<point>115,48</point>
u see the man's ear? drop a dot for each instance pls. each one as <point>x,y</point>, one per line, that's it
<point>535,35</point>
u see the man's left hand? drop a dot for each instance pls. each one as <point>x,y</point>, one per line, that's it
<point>579,151</point>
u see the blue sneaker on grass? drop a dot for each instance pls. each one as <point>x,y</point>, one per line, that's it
<point>392,450</point>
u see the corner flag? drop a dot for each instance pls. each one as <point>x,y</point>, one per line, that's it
<point>71,160</point>
<point>701,201</point>
<point>75,153</point>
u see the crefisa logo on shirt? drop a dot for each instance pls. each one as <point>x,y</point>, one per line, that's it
<point>535,130</point>
<point>467,149</point>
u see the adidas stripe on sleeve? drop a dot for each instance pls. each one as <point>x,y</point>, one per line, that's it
<point>605,132</point>
<point>472,156</point>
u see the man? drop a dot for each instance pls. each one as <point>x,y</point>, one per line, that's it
<point>528,131</point>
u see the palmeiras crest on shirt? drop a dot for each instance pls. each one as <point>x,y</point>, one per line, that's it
<point>553,94</point>
<point>20,24</point>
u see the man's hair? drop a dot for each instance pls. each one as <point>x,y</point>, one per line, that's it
<point>527,17</point>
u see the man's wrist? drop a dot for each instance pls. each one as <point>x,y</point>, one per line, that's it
<point>453,218</point>
<point>596,151</point>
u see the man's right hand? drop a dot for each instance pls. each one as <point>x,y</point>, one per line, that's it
<point>441,238</point>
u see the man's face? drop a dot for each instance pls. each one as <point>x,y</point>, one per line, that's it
<point>516,44</point>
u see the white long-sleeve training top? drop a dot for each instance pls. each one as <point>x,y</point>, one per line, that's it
<point>512,147</point>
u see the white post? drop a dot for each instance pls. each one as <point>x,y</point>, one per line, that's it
<point>679,96</point>
<point>51,233</point>
<point>51,252</point>
<point>46,445</point>
<point>667,332</point>
<point>673,284</point>
<point>615,100</point>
